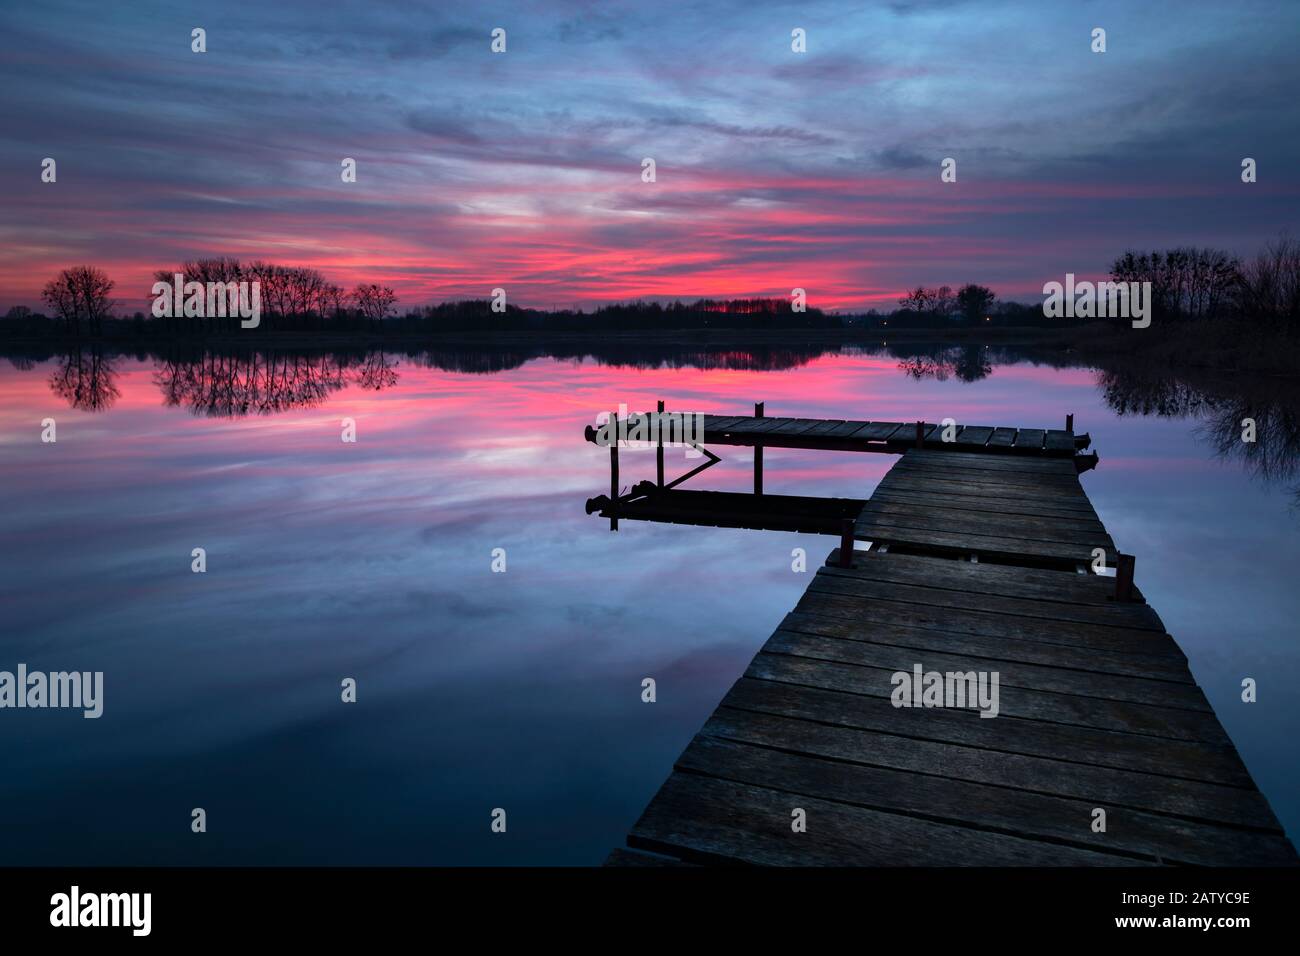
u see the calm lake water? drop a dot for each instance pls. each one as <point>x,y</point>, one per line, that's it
<point>479,690</point>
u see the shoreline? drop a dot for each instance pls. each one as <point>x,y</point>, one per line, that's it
<point>1227,348</point>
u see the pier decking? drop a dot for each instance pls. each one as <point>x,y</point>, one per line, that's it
<point>835,434</point>
<point>978,563</point>
<point>1018,509</point>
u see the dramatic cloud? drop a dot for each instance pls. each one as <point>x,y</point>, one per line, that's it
<point>522,170</point>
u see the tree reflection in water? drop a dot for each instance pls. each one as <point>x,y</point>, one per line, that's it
<point>1222,407</point>
<point>86,380</point>
<point>966,363</point>
<point>233,384</point>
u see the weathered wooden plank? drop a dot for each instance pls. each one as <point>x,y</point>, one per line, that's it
<point>920,640</point>
<point>892,494</point>
<point>824,428</point>
<point>1048,481</point>
<point>1060,680</point>
<point>870,529</point>
<point>936,458</point>
<point>798,426</point>
<point>905,437</point>
<point>1017,702</point>
<point>1139,833</point>
<point>717,423</point>
<point>1002,438</point>
<point>1007,481</point>
<point>1192,760</point>
<point>1062,494</point>
<point>975,436</point>
<point>1081,530</point>
<point>952,513</point>
<point>962,491</point>
<point>982,468</point>
<point>1193,800</point>
<point>1117,614</point>
<point>1042,584</point>
<point>704,819</point>
<point>983,623</point>
<point>876,431</point>
<point>1030,438</point>
<point>1058,440</point>
<point>753,426</point>
<point>846,429</point>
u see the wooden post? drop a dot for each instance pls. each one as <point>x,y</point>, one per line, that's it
<point>920,434</point>
<point>846,543</point>
<point>1069,423</point>
<point>758,454</point>
<point>613,482</point>
<point>659,452</point>
<point>1124,577</point>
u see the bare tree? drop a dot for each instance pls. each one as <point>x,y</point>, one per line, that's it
<point>1270,283</point>
<point>1186,282</point>
<point>375,302</point>
<point>80,293</point>
<point>944,303</point>
<point>222,269</point>
<point>919,299</point>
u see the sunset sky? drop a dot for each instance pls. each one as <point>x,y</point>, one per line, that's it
<point>523,169</point>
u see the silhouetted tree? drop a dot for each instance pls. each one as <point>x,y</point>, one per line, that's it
<point>375,302</point>
<point>919,299</point>
<point>80,294</point>
<point>221,269</point>
<point>1186,282</point>
<point>1270,282</point>
<point>974,301</point>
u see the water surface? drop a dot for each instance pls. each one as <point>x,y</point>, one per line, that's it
<point>518,690</point>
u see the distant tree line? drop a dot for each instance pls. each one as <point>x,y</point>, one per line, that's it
<point>291,298</point>
<point>1187,284</point>
<point>296,298</point>
<point>939,307</point>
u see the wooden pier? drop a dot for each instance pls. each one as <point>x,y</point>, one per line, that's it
<point>979,562</point>
<point>1023,510</point>
<point>837,435</point>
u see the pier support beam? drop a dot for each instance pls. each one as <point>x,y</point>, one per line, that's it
<point>758,455</point>
<point>846,542</point>
<point>659,451</point>
<point>613,480</point>
<point>1124,577</point>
